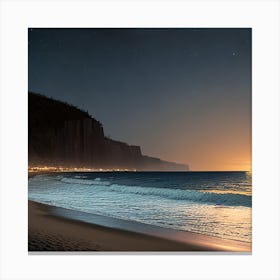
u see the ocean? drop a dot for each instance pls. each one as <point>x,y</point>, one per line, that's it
<point>213,203</point>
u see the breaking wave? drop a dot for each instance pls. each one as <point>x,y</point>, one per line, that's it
<point>96,181</point>
<point>229,199</point>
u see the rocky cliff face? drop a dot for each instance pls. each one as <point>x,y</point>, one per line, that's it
<point>60,134</point>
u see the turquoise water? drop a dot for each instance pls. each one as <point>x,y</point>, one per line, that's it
<point>212,203</point>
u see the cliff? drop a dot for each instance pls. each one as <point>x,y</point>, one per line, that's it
<point>59,134</point>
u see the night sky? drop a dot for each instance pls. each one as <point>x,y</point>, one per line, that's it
<point>183,95</point>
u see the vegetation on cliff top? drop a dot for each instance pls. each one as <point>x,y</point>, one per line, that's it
<point>46,112</point>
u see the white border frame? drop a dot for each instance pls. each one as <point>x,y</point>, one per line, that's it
<point>17,16</point>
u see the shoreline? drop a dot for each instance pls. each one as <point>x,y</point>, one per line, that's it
<point>55,229</point>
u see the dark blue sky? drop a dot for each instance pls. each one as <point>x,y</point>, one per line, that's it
<point>181,94</point>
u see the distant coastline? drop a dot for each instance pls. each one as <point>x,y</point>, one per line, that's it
<point>61,136</point>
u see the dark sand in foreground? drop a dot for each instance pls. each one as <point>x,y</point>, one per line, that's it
<point>47,232</point>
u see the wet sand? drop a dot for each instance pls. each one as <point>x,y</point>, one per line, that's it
<point>50,232</point>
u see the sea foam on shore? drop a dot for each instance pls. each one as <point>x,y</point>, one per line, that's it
<point>56,229</point>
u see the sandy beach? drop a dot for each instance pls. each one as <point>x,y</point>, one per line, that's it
<point>48,232</point>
